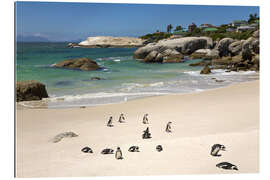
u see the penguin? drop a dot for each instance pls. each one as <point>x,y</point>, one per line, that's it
<point>216,148</point>
<point>107,151</point>
<point>87,150</point>
<point>168,127</point>
<point>109,124</point>
<point>118,153</point>
<point>159,148</point>
<point>134,149</point>
<point>146,134</point>
<point>227,166</point>
<point>121,118</point>
<point>145,119</point>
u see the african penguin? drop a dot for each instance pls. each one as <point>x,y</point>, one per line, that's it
<point>109,124</point>
<point>107,151</point>
<point>121,118</point>
<point>216,148</point>
<point>134,149</point>
<point>118,153</point>
<point>159,148</point>
<point>168,127</point>
<point>146,134</point>
<point>145,119</point>
<point>227,166</point>
<point>87,150</point>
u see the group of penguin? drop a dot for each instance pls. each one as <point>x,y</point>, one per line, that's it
<point>224,165</point>
<point>216,148</point>
<point>118,152</point>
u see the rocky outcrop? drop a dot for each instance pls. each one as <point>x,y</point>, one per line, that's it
<point>206,54</point>
<point>235,47</point>
<point>84,64</point>
<point>205,70</point>
<point>109,41</point>
<point>30,90</point>
<point>223,46</point>
<point>171,49</point>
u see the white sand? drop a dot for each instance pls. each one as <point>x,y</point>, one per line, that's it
<point>229,116</point>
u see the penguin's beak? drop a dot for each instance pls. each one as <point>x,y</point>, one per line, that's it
<point>235,168</point>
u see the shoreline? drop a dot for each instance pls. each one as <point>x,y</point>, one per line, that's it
<point>20,106</point>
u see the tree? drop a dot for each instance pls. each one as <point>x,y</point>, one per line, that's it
<point>169,28</point>
<point>252,18</point>
<point>178,28</point>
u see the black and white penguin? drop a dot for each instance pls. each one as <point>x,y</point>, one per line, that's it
<point>134,149</point>
<point>168,127</point>
<point>87,150</point>
<point>107,151</point>
<point>121,118</point>
<point>216,148</point>
<point>145,119</point>
<point>159,148</point>
<point>146,134</point>
<point>109,123</point>
<point>227,166</point>
<point>118,153</point>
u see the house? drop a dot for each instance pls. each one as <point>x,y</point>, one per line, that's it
<point>210,29</point>
<point>230,30</point>
<point>192,27</point>
<point>238,23</point>
<point>244,28</point>
<point>206,25</point>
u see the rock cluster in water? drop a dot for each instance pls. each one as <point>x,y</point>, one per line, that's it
<point>84,64</point>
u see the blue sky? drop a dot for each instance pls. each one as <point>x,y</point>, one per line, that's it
<point>58,21</point>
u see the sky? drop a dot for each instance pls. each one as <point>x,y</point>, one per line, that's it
<point>59,21</point>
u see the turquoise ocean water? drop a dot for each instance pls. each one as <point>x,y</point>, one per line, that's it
<point>125,78</point>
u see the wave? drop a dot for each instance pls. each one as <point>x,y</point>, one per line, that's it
<point>220,72</point>
<point>101,95</point>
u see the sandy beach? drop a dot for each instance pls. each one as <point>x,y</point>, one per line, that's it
<point>228,116</point>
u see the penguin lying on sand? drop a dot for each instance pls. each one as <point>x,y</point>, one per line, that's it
<point>134,149</point>
<point>118,153</point>
<point>87,150</point>
<point>159,148</point>
<point>216,148</point>
<point>107,151</point>
<point>227,166</point>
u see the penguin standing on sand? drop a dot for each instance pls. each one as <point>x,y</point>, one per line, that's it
<point>168,127</point>
<point>109,124</point>
<point>146,134</point>
<point>121,118</point>
<point>145,119</point>
<point>227,166</point>
<point>216,148</point>
<point>118,153</point>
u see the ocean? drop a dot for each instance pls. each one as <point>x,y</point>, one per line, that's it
<point>124,77</point>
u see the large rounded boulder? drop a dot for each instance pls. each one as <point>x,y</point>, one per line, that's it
<point>30,90</point>
<point>223,46</point>
<point>186,46</point>
<point>84,64</point>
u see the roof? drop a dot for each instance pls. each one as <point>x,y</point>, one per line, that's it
<point>210,29</point>
<point>245,27</point>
